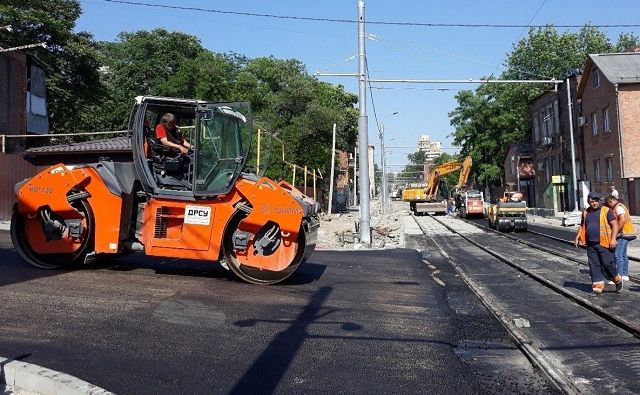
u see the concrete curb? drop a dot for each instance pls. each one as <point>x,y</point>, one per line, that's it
<point>38,380</point>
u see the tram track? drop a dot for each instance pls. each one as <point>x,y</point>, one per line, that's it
<point>570,243</point>
<point>617,321</point>
<point>555,375</point>
<point>528,243</point>
<point>548,338</point>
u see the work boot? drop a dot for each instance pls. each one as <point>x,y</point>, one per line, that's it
<point>619,283</point>
<point>597,288</point>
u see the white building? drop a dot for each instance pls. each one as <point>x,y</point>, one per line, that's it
<point>432,149</point>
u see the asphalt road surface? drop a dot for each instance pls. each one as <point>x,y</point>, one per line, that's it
<point>357,322</point>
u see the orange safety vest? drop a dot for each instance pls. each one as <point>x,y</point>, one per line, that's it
<point>628,229</point>
<point>605,229</point>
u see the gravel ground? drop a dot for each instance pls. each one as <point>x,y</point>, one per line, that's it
<point>338,231</point>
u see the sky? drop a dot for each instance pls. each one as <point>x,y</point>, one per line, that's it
<point>393,52</point>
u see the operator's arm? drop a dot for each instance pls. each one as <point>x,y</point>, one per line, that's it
<point>165,141</point>
<point>622,218</point>
<point>614,229</point>
<point>576,242</point>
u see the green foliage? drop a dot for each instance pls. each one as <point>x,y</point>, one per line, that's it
<point>493,116</point>
<point>73,82</point>
<point>413,171</point>
<point>451,179</point>
<point>285,100</point>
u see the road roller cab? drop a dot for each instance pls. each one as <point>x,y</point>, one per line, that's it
<point>198,205</point>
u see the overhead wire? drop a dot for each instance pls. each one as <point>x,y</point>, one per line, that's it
<point>373,104</point>
<point>340,20</point>
<point>336,64</point>
<point>525,29</point>
<point>381,39</point>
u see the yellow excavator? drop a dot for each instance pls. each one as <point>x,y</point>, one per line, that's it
<point>432,200</point>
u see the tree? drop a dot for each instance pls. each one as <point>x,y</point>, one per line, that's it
<point>286,101</point>
<point>73,82</point>
<point>490,118</point>
<point>414,170</point>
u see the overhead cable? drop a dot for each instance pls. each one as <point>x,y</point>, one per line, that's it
<point>338,20</point>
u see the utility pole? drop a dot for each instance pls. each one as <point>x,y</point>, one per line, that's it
<point>355,176</point>
<point>363,135</point>
<point>573,149</point>
<point>383,186</point>
<point>333,165</point>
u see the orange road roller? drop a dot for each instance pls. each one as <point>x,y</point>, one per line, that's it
<point>188,199</point>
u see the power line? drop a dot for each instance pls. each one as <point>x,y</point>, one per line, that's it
<point>373,104</point>
<point>338,20</point>
<point>525,29</point>
<point>383,40</point>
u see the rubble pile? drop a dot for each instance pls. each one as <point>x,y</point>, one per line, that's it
<point>339,231</point>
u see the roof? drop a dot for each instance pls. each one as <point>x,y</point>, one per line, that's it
<point>617,68</point>
<point>521,149</point>
<point>106,146</point>
<point>32,58</point>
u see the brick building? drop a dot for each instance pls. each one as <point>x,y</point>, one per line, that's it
<point>609,94</point>
<point>23,110</point>
<point>551,142</point>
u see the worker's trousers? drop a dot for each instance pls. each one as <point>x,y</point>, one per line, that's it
<point>601,263</point>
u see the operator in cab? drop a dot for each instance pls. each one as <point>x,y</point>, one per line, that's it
<point>168,133</point>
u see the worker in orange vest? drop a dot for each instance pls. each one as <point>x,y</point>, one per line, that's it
<point>598,231</point>
<point>627,233</point>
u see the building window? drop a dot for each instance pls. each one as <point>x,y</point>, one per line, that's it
<point>596,170</point>
<point>547,123</point>
<point>594,123</point>
<point>596,78</point>
<point>536,127</point>
<point>605,120</point>
<point>608,163</point>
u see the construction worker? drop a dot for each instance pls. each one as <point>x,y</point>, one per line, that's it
<point>598,232</point>
<point>614,192</point>
<point>627,233</point>
<point>169,135</point>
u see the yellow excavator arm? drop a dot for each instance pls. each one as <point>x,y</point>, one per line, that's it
<point>446,168</point>
<point>464,173</point>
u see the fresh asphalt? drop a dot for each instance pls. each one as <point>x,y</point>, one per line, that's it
<point>390,321</point>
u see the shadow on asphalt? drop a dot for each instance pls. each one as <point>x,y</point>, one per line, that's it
<point>14,270</point>
<point>307,273</point>
<point>584,287</point>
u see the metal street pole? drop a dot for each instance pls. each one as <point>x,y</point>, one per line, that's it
<point>383,180</point>
<point>355,176</point>
<point>573,150</point>
<point>333,165</point>
<point>363,136</point>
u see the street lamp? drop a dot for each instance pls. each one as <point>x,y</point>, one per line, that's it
<point>383,194</point>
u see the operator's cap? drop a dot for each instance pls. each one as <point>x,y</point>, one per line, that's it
<point>593,196</point>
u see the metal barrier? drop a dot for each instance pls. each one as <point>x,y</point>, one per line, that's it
<point>314,173</point>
